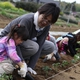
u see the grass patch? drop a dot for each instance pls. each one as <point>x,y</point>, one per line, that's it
<point>9,10</point>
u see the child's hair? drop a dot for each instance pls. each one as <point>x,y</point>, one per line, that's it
<point>21,31</point>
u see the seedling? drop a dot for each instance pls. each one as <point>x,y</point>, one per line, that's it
<point>76,57</point>
<point>73,61</point>
<point>46,69</point>
<point>64,63</point>
<point>56,65</point>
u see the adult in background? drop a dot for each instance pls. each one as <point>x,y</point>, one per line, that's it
<point>38,25</point>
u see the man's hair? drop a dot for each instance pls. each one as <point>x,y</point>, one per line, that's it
<point>50,9</point>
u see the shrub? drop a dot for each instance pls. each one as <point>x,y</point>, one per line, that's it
<point>6,5</point>
<point>61,13</point>
<point>29,6</point>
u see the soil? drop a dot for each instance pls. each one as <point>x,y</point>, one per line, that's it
<point>46,71</point>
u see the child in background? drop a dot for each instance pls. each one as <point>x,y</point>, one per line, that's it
<point>62,43</point>
<point>68,43</point>
<point>8,53</point>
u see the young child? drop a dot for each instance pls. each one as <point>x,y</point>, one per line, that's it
<point>61,43</point>
<point>68,43</point>
<point>8,54</point>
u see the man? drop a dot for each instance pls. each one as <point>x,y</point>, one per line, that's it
<point>38,25</point>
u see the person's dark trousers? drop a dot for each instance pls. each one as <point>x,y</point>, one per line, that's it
<point>16,76</point>
<point>29,77</point>
<point>57,56</point>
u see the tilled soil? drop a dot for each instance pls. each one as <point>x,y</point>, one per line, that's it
<point>72,74</point>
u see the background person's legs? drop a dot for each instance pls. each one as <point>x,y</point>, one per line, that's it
<point>48,47</point>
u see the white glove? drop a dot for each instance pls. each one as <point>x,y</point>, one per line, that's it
<point>23,70</point>
<point>49,56</point>
<point>31,70</point>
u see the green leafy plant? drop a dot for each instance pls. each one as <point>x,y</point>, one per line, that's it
<point>64,63</point>
<point>7,5</point>
<point>76,58</point>
<point>9,10</point>
<point>56,65</point>
<point>73,61</point>
<point>6,77</point>
<point>46,69</point>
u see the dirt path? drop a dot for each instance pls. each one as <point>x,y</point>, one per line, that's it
<point>4,21</point>
<point>72,73</point>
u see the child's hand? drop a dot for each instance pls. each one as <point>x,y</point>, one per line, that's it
<point>31,70</point>
<point>23,70</point>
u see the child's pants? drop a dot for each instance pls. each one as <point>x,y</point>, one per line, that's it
<point>6,67</point>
